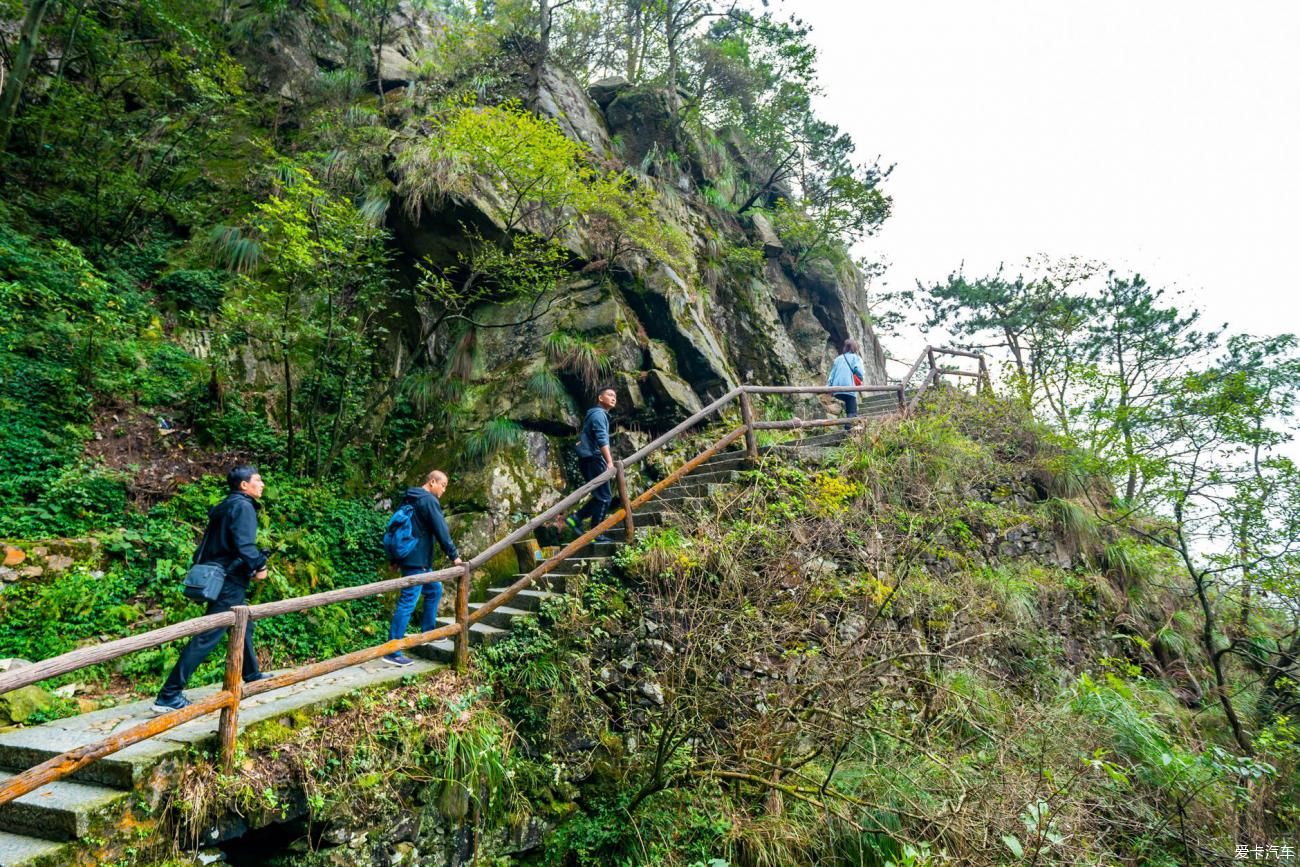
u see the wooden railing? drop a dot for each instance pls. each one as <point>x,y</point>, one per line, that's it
<point>238,619</point>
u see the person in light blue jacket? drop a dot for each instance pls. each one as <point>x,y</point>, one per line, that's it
<point>847,365</point>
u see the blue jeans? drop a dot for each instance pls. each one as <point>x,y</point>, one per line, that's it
<point>406,600</point>
<point>850,401</point>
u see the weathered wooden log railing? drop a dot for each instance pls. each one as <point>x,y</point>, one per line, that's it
<point>238,619</point>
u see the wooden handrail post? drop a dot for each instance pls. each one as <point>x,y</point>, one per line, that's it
<point>233,684</point>
<point>984,375</point>
<point>902,399</point>
<point>747,415</point>
<point>462,617</point>
<point>934,368</point>
<point>629,525</point>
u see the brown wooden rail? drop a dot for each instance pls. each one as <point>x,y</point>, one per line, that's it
<point>232,692</point>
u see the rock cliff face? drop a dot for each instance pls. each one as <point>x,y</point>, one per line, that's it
<point>671,343</point>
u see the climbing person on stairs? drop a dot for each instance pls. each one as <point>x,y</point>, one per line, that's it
<point>847,370</point>
<point>231,541</point>
<point>421,511</point>
<point>593,459</point>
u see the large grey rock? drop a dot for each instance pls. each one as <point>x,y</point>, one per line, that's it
<point>772,246</point>
<point>604,91</point>
<point>561,97</point>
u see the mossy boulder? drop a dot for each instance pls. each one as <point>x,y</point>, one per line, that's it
<point>20,705</point>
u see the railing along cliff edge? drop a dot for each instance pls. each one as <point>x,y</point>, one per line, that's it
<point>227,699</point>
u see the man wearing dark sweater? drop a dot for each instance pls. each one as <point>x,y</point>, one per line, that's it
<point>429,525</point>
<point>594,458</point>
<point>231,541</point>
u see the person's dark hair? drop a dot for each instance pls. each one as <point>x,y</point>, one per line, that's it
<point>605,388</point>
<point>240,474</point>
<point>850,345</point>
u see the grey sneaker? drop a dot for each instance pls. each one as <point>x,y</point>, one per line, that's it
<point>401,660</point>
<point>162,705</point>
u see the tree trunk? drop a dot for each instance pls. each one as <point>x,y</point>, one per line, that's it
<point>540,53</point>
<point>13,89</point>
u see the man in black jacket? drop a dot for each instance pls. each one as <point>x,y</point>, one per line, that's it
<point>230,540</point>
<point>428,524</point>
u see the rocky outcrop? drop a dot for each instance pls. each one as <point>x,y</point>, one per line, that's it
<point>669,342</point>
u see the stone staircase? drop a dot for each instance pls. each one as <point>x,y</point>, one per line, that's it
<point>36,829</point>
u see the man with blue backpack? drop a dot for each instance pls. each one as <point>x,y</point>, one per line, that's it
<point>408,542</point>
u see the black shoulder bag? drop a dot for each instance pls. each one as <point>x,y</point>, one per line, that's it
<point>204,581</point>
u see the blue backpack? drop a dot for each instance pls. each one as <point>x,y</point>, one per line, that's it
<point>399,535</point>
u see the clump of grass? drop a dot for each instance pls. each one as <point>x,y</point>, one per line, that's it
<point>578,356</point>
<point>493,437</point>
<point>1075,522</point>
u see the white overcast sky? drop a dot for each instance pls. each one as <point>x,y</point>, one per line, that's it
<point>1156,136</point>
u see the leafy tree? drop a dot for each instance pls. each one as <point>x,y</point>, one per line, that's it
<point>1036,319</point>
<point>1136,345</point>
<point>315,281</point>
<point>848,209</point>
<point>1234,504</point>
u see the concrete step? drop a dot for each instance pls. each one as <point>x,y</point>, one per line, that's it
<point>502,616</point>
<point>17,850</point>
<point>58,811</point>
<point>528,600</point>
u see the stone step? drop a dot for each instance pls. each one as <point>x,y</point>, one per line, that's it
<point>17,850</point>
<point>28,747</point>
<point>479,633</point>
<point>672,504</point>
<point>710,476</point>
<point>442,650</point>
<point>528,600</point>
<point>573,565</point>
<point>60,811</point>
<point>500,617</point>
<point>733,461</point>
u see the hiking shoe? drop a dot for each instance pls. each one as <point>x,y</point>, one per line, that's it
<point>261,675</point>
<point>603,539</point>
<point>401,660</point>
<point>572,526</point>
<point>167,705</point>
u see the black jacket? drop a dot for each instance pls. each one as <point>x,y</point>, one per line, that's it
<point>429,524</point>
<point>231,538</point>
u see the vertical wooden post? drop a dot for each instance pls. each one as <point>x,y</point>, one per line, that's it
<point>984,375</point>
<point>902,400</point>
<point>462,617</point>
<point>747,415</point>
<point>232,684</point>
<point>629,526</point>
<point>934,368</point>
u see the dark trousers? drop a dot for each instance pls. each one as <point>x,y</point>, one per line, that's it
<point>232,593</point>
<point>850,402</point>
<point>597,505</point>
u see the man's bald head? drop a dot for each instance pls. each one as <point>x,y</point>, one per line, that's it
<point>436,482</point>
